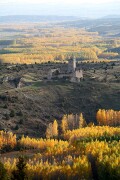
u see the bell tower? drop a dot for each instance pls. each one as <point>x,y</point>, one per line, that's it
<point>72,65</point>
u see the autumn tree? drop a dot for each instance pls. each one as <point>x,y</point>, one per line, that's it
<point>71,121</point>
<point>64,124</point>
<point>49,131</point>
<point>108,117</point>
<point>55,128</point>
<point>82,122</point>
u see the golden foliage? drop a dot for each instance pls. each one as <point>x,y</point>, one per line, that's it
<point>52,130</point>
<point>7,139</point>
<point>55,44</point>
<point>108,117</point>
<point>93,132</point>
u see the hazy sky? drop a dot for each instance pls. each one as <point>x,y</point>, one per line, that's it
<point>61,1</point>
<point>86,8</point>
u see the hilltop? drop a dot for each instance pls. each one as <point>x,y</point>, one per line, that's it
<point>39,102</point>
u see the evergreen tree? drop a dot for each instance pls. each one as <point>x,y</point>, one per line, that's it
<point>3,172</point>
<point>19,173</point>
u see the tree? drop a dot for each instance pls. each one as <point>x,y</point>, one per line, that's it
<point>82,122</point>
<point>49,130</point>
<point>3,172</point>
<point>55,128</point>
<point>64,124</point>
<point>108,117</point>
<point>71,121</point>
<point>20,172</point>
<point>12,113</point>
<point>61,57</point>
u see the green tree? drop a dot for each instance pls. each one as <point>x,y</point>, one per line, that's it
<point>20,172</point>
<point>3,172</point>
<point>12,113</point>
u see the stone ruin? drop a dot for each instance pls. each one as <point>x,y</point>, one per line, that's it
<point>72,74</point>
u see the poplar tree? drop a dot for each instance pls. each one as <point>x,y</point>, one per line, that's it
<point>55,128</point>
<point>82,122</point>
<point>49,130</point>
<point>64,124</point>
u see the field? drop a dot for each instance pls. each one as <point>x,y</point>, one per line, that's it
<point>43,42</point>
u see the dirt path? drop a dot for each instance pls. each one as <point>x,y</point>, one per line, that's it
<point>15,154</point>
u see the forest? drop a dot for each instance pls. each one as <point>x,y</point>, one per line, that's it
<point>72,149</point>
<point>39,43</point>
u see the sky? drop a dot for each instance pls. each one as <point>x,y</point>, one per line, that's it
<point>79,8</point>
<point>55,1</point>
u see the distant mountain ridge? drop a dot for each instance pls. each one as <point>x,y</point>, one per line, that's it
<point>111,16</point>
<point>51,18</point>
<point>102,25</point>
<point>34,18</point>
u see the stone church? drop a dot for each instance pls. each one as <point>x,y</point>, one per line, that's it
<point>72,74</point>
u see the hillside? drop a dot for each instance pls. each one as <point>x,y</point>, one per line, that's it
<point>38,102</point>
<point>104,26</point>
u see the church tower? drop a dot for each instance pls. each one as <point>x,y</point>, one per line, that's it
<point>72,65</point>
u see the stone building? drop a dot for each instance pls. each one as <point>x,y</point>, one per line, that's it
<point>72,65</point>
<point>53,73</point>
<point>77,75</point>
<point>72,74</point>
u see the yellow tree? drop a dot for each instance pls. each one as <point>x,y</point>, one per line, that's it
<point>49,130</point>
<point>103,116</point>
<point>99,117</point>
<point>82,122</point>
<point>55,128</point>
<point>71,121</point>
<point>108,117</point>
<point>64,124</point>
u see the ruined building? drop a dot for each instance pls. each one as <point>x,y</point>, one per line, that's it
<point>72,73</point>
<point>72,65</point>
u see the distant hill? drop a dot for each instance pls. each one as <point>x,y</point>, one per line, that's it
<point>115,50</point>
<point>32,19</point>
<point>111,16</point>
<point>103,26</point>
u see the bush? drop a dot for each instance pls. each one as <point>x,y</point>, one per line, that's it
<point>21,121</point>
<point>3,172</point>
<point>7,117</point>
<point>5,106</point>
<point>12,113</point>
<point>16,127</point>
<point>19,113</point>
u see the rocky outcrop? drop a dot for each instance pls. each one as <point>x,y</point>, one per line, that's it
<point>13,81</point>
